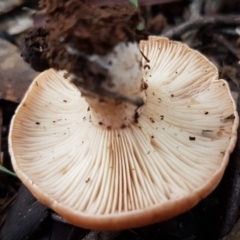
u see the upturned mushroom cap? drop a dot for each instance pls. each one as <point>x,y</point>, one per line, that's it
<point>150,171</point>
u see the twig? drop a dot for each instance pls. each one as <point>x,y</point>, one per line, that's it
<point>195,8</point>
<point>232,31</point>
<point>9,202</point>
<point>200,22</point>
<point>212,6</point>
<point>223,41</point>
<point>147,15</point>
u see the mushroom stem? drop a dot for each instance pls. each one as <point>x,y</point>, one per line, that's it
<point>120,98</point>
<point>111,113</point>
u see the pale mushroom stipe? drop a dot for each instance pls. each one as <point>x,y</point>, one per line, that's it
<point>151,154</point>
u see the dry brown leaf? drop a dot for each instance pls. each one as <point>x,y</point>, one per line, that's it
<point>15,74</point>
<point>8,5</point>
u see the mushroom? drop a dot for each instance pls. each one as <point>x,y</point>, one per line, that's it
<point>107,164</point>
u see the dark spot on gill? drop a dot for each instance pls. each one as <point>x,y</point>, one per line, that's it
<point>152,120</point>
<point>230,117</point>
<point>66,75</point>
<point>146,66</point>
<point>136,116</point>
<point>144,86</point>
<point>207,131</point>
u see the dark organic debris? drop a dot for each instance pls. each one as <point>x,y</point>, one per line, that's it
<point>35,49</point>
<point>230,117</point>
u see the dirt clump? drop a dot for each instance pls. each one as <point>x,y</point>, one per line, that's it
<point>36,45</point>
<point>76,29</point>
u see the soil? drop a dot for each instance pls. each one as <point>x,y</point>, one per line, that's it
<point>35,48</point>
<point>74,30</point>
<point>89,28</point>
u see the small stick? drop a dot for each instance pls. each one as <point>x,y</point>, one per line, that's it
<point>223,41</point>
<point>200,22</point>
<point>212,7</point>
<point>195,8</point>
